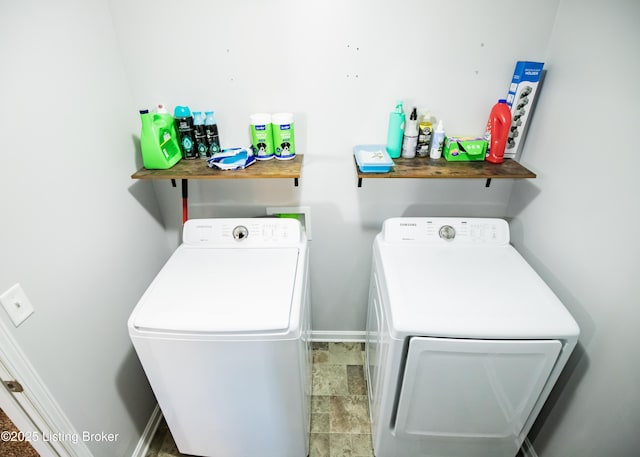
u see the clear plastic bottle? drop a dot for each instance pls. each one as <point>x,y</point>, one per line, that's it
<point>410,140</point>
<point>436,141</point>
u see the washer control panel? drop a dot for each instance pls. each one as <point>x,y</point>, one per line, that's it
<point>446,230</point>
<point>245,232</point>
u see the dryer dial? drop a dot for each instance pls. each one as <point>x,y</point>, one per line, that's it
<point>447,232</point>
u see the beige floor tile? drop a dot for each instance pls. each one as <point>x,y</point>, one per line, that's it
<point>319,445</point>
<point>320,404</point>
<point>345,353</point>
<point>355,380</point>
<point>340,445</point>
<point>330,380</point>
<point>361,445</point>
<point>320,423</point>
<point>349,414</point>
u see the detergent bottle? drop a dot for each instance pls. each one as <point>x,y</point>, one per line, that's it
<point>159,141</point>
<point>184,121</point>
<point>497,131</point>
<point>395,132</point>
<point>211,131</point>
<point>199,134</point>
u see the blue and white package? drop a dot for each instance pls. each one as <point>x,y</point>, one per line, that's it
<point>521,98</point>
<point>232,159</point>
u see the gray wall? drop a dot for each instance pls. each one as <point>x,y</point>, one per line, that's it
<point>82,238</point>
<point>578,224</point>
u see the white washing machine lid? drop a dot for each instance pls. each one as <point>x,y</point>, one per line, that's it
<point>208,290</point>
<point>467,291</point>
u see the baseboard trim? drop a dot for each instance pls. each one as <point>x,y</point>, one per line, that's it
<point>335,336</point>
<point>527,449</point>
<point>147,435</point>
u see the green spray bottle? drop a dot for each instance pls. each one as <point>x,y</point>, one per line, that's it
<point>159,141</point>
<point>395,131</point>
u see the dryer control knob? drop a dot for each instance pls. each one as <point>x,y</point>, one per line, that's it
<point>447,232</point>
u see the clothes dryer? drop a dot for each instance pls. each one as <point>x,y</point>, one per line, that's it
<point>223,332</point>
<point>464,340</point>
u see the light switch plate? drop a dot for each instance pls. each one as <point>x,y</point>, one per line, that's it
<point>17,304</point>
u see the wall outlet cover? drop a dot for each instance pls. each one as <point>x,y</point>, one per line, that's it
<point>17,305</point>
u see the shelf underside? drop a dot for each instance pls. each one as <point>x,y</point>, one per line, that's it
<point>422,167</point>
<point>198,169</point>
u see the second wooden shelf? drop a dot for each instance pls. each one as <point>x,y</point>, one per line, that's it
<point>422,167</point>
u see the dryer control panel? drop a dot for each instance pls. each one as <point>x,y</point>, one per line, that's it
<point>244,232</point>
<point>446,230</point>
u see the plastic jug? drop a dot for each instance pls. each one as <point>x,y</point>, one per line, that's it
<point>159,141</point>
<point>497,131</point>
<point>395,132</point>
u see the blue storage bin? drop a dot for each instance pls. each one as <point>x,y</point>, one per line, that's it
<point>372,158</point>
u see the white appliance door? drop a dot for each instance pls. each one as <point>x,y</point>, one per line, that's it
<point>221,291</point>
<point>463,389</point>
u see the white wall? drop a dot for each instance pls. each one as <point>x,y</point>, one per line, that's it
<point>339,67</point>
<point>578,223</point>
<point>76,232</point>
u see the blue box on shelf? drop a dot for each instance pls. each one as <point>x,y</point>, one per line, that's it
<point>372,158</point>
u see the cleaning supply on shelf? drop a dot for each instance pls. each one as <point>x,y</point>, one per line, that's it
<point>159,141</point>
<point>425,132</point>
<point>262,136</point>
<point>184,124</point>
<point>200,135</point>
<point>395,131</point>
<point>464,149</point>
<point>232,159</point>
<point>284,142</point>
<point>372,158</point>
<point>410,140</point>
<point>497,131</point>
<point>211,132</point>
<point>436,141</point>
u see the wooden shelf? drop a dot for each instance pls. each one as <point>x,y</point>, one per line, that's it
<point>198,169</point>
<point>423,167</point>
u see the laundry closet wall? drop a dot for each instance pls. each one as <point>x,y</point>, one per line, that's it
<point>339,66</point>
<point>81,238</point>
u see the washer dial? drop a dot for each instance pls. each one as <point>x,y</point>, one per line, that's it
<point>240,232</point>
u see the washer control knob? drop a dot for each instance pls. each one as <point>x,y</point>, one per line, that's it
<point>240,232</point>
<point>447,232</point>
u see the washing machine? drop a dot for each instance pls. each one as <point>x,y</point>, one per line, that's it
<point>464,340</point>
<point>223,333</point>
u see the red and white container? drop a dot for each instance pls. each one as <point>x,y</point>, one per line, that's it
<point>497,131</point>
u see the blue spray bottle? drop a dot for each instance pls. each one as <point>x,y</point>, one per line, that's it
<point>395,132</point>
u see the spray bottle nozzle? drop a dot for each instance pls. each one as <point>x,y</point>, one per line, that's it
<point>399,107</point>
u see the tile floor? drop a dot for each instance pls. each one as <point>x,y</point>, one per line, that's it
<point>339,409</point>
